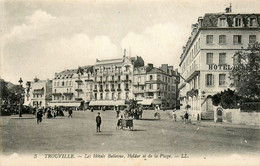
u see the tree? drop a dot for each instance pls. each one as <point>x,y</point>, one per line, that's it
<point>227,99</point>
<point>246,72</point>
<point>4,92</point>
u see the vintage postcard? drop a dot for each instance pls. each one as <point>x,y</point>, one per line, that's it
<point>128,82</point>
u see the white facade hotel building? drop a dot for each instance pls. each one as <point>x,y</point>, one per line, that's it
<point>207,57</point>
<point>113,81</point>
<point>155,86</point>
<point>69,89</point>
<point>39,93</point>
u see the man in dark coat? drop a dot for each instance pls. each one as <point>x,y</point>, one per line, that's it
<point>70,113</point>
<point>39,116</point>
<point>98,121</point>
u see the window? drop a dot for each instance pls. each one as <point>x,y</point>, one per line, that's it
<point>151,77</point>
<point>118,86</point>
<point>209,58</point>
<point>238,22</point>
<point>158,77</point>
<point>252,22</point>
<point>95,96</point>
<point>237,39</point>
<point>113,96</point>
<point>95,87</point>
<point>209,39</point>
<point>222,22</point>
<point>222,79</point>
<point>101,96</point>
<point>127,95</point>
<point>118,78</point>
<point>252,39</point>
<point>119,95</point>
<point>126,86</point>
<point>222,58</point>
<point>54,83</point>
<point>209,80</point>
<point>58,83</point>
<point>222,39</point>
<point>107,95</point>
<point>150,86</point>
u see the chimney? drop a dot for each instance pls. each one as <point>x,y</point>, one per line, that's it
<point>164,67</point>
<point>150,65</point>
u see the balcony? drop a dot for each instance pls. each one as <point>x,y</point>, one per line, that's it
<point>88,80</point>
<point>107,90</point>
<point>126,89</point>
<point>138,91</point>
<point>112,89</point>
<point>78,89</point>
<point>78,98</point>
<point>192,73</point>
<point>56,94</point>
<point>78,81</point>
<point>95,90</point>
<point>100,90</point>
<point>68,93</point>
<point>119,89</point>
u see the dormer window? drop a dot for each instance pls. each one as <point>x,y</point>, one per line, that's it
<point>252,22</point>
<point>238,22</point>
<point>222,22</point>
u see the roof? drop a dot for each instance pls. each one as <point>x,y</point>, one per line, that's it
<point>211,19</point>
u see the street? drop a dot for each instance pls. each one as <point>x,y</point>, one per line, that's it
<point>78,135</point>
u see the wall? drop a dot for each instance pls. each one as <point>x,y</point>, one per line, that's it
<point>235,116</point>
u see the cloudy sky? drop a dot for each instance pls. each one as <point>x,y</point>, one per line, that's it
<point>41,37</point>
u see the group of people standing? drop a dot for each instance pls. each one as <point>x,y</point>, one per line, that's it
<point>185,118</point>
<point>51,113</point>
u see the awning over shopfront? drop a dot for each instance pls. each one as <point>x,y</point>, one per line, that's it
<point>146,102</point>
<point>64,104</point>
<point>150,101</point>
<point>107,103</point>
<point>157,101</point>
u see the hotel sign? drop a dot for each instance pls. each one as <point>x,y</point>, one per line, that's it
<point>228,67</point>
<point>220,67</point>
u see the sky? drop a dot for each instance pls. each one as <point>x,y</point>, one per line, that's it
<point>41,37</point>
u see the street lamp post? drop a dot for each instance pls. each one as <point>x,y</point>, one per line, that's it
<point>21,91</point>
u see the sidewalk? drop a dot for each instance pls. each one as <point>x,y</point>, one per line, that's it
<point>205,123</point>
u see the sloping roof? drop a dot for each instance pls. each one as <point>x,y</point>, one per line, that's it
<point>211,19</point>
<point>156,71</point>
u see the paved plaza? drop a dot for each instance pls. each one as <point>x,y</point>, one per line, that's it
<point>78,135</point>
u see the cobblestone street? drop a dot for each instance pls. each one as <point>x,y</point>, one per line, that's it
<point>78,135</point>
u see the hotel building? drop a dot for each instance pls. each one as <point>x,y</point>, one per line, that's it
<point>155,86</point>
<point>207,57</point>
<point>39,94</point>
<point>113,79</point>
<point>72,88</point>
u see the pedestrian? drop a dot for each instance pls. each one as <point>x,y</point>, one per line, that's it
<point>70,113</point>
<point>117,113</point>
<point>198,118</point>
<point>39,116</point>
<point>92,108</point>
<point>186,116</point>
<point>174,115</point>
<point>98,121</point>
<point>119,123</point>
